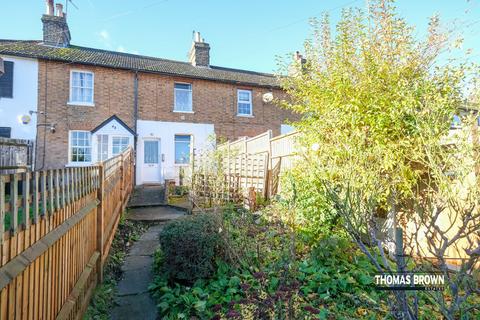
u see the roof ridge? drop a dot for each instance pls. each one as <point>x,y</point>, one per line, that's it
<point>131,61</point>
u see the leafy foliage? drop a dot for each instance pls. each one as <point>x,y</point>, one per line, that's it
<point>377,108</point>
<point>267,284</point>
<point>190,246</point>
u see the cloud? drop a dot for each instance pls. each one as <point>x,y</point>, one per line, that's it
<point>121,49</point>
<point>104,38</point>
<point>104,35</point>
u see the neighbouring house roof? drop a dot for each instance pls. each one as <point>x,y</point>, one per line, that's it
<point>107,121</point>
<point>113,59</point>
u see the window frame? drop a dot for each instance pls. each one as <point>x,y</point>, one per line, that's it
<point>81,103</point>
<point>100,146</point>
<point>175,97</point>
<point>13,79</point>
<point>250,92</point>
<point>119,137</point>
<point>175,149</point>
<point>70,148</point>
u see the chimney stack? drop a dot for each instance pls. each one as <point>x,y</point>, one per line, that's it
<point>200,52</point>
<point>55,27</point>
<point>300,59</point>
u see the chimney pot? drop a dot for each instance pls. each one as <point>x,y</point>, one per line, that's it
<point>59,7</point>
<point>49,6</point>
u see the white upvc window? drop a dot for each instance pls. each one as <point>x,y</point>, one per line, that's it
<point>80,147</point>
<point>102,147</point>
<point>244,103</point>
<point>182,148</point>
<point>81,87</point>
<point>119,144</point>
<point>182,97</point>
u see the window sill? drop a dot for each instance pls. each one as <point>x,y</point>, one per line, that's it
<point>181,164</point>
<point>78,164</point>
<point>245,115</point>
<point>180,111</point>
<point>80,104</point>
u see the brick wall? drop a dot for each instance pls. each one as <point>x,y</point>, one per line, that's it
<point>213,102</point>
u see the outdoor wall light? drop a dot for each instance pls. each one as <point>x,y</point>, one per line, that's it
<point>267,97</point>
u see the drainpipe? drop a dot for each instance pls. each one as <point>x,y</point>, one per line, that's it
<point>135,119</point>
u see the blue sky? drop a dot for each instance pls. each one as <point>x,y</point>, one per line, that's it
<point>246,34</point>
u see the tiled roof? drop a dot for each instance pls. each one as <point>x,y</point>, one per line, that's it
<point>112,59</point>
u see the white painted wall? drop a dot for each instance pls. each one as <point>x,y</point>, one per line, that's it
<point>25,88</point>
<point>112,129</point>
<point>165,131</point>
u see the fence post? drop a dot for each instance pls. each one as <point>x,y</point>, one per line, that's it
<point>122,182</point>
<point>100,222</point>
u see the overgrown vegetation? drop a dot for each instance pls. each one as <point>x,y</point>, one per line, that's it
<point>379,155</point>
<point>103,298</point>
<point>380,167</point>
<point>326,278</point>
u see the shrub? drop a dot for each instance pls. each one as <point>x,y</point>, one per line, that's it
<point>190,247</point>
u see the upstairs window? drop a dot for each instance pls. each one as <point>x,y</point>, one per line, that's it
<point>80,146</point>
<point>244,103</point>
<point>182,149</point>
<point>81,88</point>
<point>6,80</point>
<point>183,97</point>
<point>119,144</point>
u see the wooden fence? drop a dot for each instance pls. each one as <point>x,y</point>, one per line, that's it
<point>55,234</point>
<point>15,155</point>
<point>248,167</point>
<point>279,154</point>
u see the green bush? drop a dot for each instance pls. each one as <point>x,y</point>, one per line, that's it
<point>190,247</point>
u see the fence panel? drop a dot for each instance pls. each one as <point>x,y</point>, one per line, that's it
<point>15,155</point>
<point>51,259</point>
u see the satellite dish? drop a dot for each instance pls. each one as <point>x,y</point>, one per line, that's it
<point>267,97</point>
<point>25,119</point>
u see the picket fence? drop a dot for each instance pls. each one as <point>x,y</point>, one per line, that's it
<point>56,229</point>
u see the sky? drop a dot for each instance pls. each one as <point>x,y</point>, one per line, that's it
<point>246,34</point>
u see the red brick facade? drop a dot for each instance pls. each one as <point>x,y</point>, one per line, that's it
<point>213,102</point>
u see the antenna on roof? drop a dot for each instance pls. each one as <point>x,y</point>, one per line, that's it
<point>66,5</point>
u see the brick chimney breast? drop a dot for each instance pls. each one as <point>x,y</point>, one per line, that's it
<point>55,28</point>
<point>200,52</point>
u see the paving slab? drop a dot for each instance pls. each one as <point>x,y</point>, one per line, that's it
<point>134,282</point>
<point>133,300</point>
<point>137,262</point>
<point>146,248</point>
<point>158,213</point>
<point>139,306</point>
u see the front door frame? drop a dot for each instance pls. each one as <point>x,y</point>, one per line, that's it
<point>142,161</point>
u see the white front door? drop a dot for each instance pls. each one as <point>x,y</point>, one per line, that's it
<point>151,172</point>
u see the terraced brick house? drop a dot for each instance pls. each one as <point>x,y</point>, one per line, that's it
<point>89,104</point>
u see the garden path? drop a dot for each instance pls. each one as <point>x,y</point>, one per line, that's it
<point>133,300</point>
